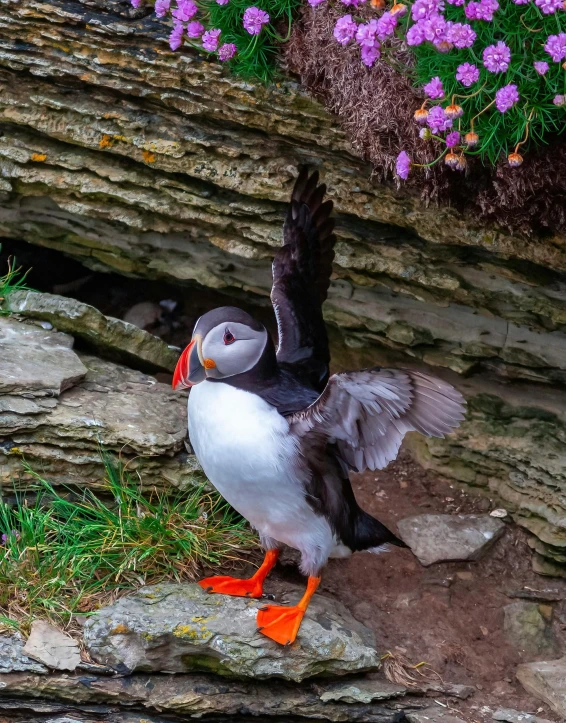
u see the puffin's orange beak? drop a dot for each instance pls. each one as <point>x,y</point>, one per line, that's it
<point>189,370</point>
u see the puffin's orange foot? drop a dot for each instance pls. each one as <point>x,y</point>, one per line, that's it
<point>233,586</point>
<point>280,623</point>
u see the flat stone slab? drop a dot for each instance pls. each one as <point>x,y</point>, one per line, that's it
<point>449,538</point>
<point>175,628</point>
<point>433,715</point>
<point>36,362</point>
<point>196,696</point>
<point>507,715</point>
<point>52,647</point>
<point>13,659</point>
<point>546,680</point>
<point>110,337</point>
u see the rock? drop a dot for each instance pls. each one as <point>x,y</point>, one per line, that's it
<point>433,715</point>
<point>546,680</point>
<point>134,418</point>
<point>443,538</point>
<point>112,338</point>
<point>179,628</point>
<point>361,691</point>
<point>528,630</point>
<point>193,696</point>
<point>514,716</point>
<point>528,593</point>
<point>52,647</point>
<point>36,362</point>
<point>13,659</point>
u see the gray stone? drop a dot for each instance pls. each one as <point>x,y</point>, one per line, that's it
<point>52,647</point>
<point>361,691</point>
<point>444,538</point>
<point>108,337</point>
<point>529,630</point>
<point>36,362</point>
<point>514,716</point>
<point>191,697</point>
<point>546,680</point>
<point>180,628</point>
<point>13,659</point>
<point>132,416</point>
<point>433,715</point>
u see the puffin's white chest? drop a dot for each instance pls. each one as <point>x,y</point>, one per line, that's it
<point>247,452</point>
<point>245,449</point>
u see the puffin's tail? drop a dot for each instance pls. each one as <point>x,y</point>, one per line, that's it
<point>372,535</point>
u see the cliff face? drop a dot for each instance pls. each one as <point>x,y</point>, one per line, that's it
<point>129,157</point>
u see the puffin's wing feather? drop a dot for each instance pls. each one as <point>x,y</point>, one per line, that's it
<point>301,276</point>
<point>367,414</point>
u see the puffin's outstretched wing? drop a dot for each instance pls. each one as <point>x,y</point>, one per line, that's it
<point>367,414</point>
<point>301,276</point>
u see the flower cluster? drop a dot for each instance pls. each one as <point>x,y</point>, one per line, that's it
<point>500,85</point>
<point>186,28</point>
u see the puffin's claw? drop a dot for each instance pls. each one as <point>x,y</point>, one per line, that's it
<point>280,623</point>
<point>226,585</point>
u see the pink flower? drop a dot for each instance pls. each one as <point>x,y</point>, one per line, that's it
<point>136,3</point>
<point>435,29</point>
<point>403,165</point>
<point>222,2</point>
<point>162,7</point>
<point>386,25</point>
<point>176,36</point>
<point>195,29</point>
<point>461,35</point>
<point>314,3</point>
<point>226,51</point>
<point>521,2</point>
<point>559,100</point>
<point>365,34</point>
<point>458,3</point>
<point>496,58</point>
<point>452,139</point>
<point>210,39</point>
<point>541,66</point>
<point>506,97</point>
<point>556,47</point>
<point>185,10</point>
<point>482,10</point>
<point>437,120</point>
<point>254,20</point>
<point>467,74</point>
<point>370,53</point>
<point>434,88</point>
<point>548,7</point>
<point>345,29</point>
<point>425,9</point>
<point>415,34</point>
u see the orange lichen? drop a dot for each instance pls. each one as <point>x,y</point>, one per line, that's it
<point>148,156</point>
<point>39,157</point>
<point>106,141</point>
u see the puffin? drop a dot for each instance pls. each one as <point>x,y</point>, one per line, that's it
<point>278,436</point>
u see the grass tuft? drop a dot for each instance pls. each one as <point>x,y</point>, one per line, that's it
<point>66,553</point>
<point>13,280</point>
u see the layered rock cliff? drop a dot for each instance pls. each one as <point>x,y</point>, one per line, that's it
<point>129,157</point>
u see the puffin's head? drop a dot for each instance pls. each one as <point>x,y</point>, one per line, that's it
<point>226,341</point>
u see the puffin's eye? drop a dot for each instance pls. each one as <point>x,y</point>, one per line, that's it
<point>229,338</point>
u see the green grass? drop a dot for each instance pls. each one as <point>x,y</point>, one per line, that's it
<point>524,28</point>
<point>13,280</point>
<point>257,54</point>
<point>65,554</point>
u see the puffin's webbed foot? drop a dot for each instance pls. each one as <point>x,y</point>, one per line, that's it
<point>252,587</point>
<point>226,585</point>
<point>282,623</point>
